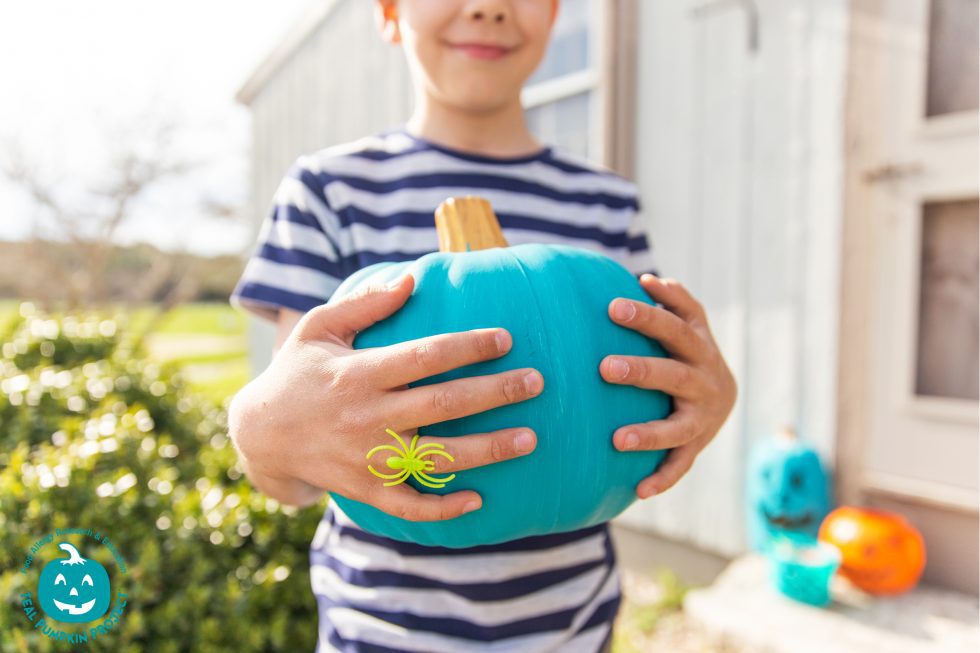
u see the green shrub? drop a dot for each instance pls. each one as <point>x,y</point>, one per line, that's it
<point>93,436</point>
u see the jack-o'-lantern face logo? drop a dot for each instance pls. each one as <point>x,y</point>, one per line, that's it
<point>74,589</point>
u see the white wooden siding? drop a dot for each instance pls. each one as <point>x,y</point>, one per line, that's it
<point>739,164</point>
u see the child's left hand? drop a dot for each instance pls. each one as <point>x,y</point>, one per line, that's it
<point>695,376</point>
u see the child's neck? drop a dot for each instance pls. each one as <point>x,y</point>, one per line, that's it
<point>500,132</point>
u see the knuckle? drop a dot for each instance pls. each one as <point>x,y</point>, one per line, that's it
<point>485,346</point>
<point>441,464</point>
<point>445,401</point>
<point>408,511</point>
<point>512,388</point>
<point>337,376</point>
<point>687,431</point>
<point>497,450</point>
<point>425,354</point>
<point>682,376</point>
<point>639,371</point>
<point>446,511</point>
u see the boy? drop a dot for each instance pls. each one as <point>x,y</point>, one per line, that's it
<point>302,427</point>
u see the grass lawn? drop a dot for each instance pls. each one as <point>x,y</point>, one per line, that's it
<point>205,340</point>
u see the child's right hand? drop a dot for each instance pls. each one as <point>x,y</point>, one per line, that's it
<point>304,425</point>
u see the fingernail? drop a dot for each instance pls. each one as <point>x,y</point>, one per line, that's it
<point>631,441</point>
<point>394,284</point>
<point>471,506</point>
<point>524,441</point>
<point>503,341</point>
<point>532,382</point>
<point>618,368</point>
<point>624,310</point>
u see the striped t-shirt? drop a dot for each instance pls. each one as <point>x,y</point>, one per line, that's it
<point>346,207</point>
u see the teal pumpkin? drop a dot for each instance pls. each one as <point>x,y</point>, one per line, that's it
<point>73,589</point>
<point>553,299</point>
<point>788,490</point>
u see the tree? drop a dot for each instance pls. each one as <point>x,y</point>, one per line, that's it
<point>141,157</point>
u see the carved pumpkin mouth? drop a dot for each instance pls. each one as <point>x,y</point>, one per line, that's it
<point>868,575</point>
<point>788,521</point>
<point>74,609</point>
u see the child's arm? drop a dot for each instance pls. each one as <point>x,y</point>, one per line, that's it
<point>304,425</point>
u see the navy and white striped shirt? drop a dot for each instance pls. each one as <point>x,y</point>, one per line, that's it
<point>348,206</point>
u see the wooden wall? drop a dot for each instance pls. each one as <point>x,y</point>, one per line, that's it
<point>740,162</point>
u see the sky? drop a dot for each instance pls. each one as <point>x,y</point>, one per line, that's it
<point>80,79</point>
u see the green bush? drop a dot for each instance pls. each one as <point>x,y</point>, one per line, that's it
<point>93,436</point>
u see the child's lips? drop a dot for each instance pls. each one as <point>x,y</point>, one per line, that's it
<point>480,50</point>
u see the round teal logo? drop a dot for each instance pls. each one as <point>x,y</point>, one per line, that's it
<point>74,589</point>
<point>75,601</point>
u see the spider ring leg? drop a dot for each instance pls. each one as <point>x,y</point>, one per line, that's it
<point>380,475</point>
<point>389,447</point>
<point>442,480</point>
<point>399,478</point>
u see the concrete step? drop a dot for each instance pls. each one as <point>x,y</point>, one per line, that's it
<point>744,606</point>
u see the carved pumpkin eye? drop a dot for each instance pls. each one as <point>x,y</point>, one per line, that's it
<point>60,580</point>
<point>87,580</point>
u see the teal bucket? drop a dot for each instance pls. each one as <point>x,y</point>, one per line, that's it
<point>802,567</point>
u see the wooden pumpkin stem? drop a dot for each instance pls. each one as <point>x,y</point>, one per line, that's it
<point>467,223</point>
<point>787,434</point>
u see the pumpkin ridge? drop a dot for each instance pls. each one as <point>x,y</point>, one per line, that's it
<point>537,306</point>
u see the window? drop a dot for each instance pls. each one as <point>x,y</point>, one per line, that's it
<point>561,97</point>
<point>952,63</point>
<point>948,335</point>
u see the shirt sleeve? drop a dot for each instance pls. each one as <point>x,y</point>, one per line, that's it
<point>297,261</point>
<point>639,257</point>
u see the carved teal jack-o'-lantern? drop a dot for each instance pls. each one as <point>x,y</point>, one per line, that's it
<point>73,589</point>
<point>788,491</point>
<point>553,300</point>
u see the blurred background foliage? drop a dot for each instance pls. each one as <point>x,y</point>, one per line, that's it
<point>97,431</point>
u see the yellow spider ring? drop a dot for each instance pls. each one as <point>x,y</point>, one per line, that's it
<point>409,462</point>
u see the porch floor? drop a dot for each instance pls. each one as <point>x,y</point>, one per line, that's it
<point>744,607</point>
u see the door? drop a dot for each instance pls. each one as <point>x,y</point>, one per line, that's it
<point>909,337</point>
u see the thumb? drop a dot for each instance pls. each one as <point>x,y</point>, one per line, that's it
<point>356,311</point>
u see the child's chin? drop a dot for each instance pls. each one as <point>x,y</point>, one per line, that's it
<point>482,98</point>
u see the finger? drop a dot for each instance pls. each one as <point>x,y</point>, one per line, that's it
<point>476,450</point>
<point>406,502</point>
<point>673,377</point>
<point>675,431</point>
<point>409,361</point>
<point>676,335</point>
<point>440,402</point>
<point>675,297</point>
<point>355,312</point>
<point>675,466</point>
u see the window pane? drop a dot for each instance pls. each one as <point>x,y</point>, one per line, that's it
<point>563,123</point>
<point>568,51</point>
<point>953,56</point>
<point>948,332</point>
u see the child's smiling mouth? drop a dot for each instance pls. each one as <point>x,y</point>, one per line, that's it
<point>480,50</point>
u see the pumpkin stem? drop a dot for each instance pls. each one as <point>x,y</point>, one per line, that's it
<point>74,557</point>
<point>787,434</point>
<point>467,223</point>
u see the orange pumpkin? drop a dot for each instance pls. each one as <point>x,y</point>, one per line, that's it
<point>882,553</point>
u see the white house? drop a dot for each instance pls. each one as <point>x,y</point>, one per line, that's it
<point>808,169</point>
